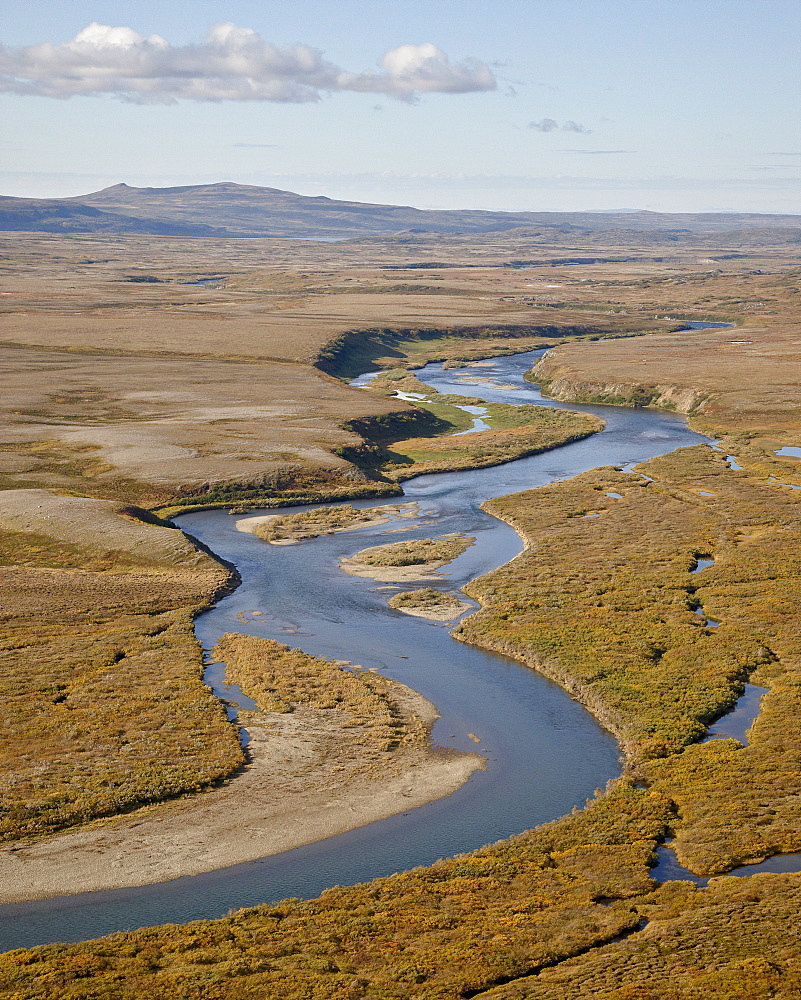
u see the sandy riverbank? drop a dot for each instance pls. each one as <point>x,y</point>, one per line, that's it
<point>392,574</point>
<point>443,613</point>
<point>299,787</point>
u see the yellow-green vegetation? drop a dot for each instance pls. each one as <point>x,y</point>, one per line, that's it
<point>515,431</point>
<point>279,678</point>
<point>103,707</point>
<point>429,603</point>
<point>552,428</point>
<point>445,931</point>
<point>732,941</point>
<point>311,523</point>
<point>422,599</point>
<point>324,520</point>
<point>408,560</point>
<point>445,407</point>
<point>416,552</point>
<point>605,605</point>
<point>213,428</point>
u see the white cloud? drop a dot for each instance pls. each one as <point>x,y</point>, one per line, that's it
<point>571,126</point>
<point>549,125</point>
<point>427,69</point>
<point>544,125</point>
<point>231,64</point>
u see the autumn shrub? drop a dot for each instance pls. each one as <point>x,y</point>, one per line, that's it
<point>425,597</point>
<point>607,605</point>
<point>417,552</point>
<point>442,931</point>
<point>103,707</point>
<point>279,678</point>
<point>311,523</point>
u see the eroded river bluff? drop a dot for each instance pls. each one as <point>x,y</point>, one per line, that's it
<point>544,753</point>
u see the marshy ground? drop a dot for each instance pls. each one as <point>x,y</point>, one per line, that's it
<point>165,394</point>
<point>329,750</point>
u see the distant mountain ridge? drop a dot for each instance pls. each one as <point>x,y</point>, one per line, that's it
<point>240,210</point>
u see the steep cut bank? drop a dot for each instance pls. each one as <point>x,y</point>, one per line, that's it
<point>737,383</point>
<point>557,383</point>
<point>577,888</point>
<point>356,351</point>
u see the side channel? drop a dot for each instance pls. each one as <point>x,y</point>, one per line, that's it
<point>545,753</point>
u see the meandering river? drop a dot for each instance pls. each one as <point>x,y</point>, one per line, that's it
<point>545,753</point>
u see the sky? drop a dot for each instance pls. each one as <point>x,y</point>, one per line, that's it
<point>519,105</point>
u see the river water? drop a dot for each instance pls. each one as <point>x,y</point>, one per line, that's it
<point>545,753</point>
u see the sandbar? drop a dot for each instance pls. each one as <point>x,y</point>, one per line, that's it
<point>383,515</point>
<point>440,612</point>
<point>298,787</point>
<point>393,574</point>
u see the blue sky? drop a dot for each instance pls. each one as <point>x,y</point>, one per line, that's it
<point>691,105</point>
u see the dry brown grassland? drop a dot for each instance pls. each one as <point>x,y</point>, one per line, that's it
<point>740,383</point>
<point>166,394</point>
<point>566,910</point>
<point>169,393</point>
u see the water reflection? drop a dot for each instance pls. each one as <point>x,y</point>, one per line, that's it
<point>545,753</point>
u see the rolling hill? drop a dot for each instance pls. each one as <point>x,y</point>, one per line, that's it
<point>239,210</point>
